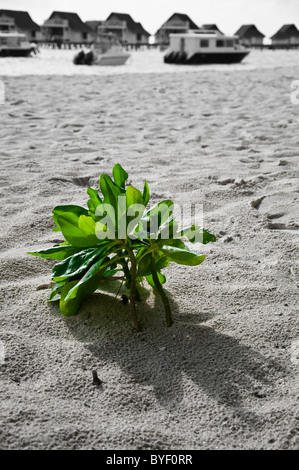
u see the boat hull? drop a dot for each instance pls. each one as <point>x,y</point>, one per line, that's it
<point>110,58</point>
<point>200,58</point>
<point>113,60</point>
<point>15,52</point>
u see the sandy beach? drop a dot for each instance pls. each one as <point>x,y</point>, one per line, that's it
<point>225,375</point>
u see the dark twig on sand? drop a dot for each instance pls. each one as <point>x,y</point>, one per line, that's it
<point>96,380</point>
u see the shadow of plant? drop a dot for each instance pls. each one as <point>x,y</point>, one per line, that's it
<point>170,361</point>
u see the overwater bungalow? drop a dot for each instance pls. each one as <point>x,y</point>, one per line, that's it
<point>250,36</point>
<point>177,23</point>
<point>65,27</point>
<point>212,28</point>
<point>94,26</point>
<point>21,22</point>
<point>125,29</point>
<point>287,36</point>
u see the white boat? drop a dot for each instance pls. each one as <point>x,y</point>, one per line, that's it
<point>107,50</point>
<point>14,44</point>
<point>204,47</point>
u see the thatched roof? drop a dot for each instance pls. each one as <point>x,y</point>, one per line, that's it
<point>286,31</point>
<point>22,19</point>
<point>184,18</point>
<point>75,22</point>
<point>141,30</point>
<point>248,31</point>
<point>211,27</point>
<point>134,27</point>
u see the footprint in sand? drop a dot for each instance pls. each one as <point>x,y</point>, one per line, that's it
<point>17,103</point>
<point>282,206</point>
<point>81,181</point>
<point>226,181</point>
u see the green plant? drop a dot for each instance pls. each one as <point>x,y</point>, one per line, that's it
<point>106,242</point>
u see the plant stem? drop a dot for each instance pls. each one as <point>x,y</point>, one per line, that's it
<point>133,287</point>
<point>161,292</point>
<point>129,278</point>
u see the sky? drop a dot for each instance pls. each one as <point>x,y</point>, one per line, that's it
<point>229,15</point>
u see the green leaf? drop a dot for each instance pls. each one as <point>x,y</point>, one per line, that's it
<point>197,234</point>
<point>75,292</point>
<point>74,266</point>
<point>181,256</point>
<point>87,225</point>
<point>144,266</point>
<point>163,209</point>
<point>133,196</point>
<point>58,210</point>
<point>81,236</point>
<point>56,292</point>
<point>110,191</point>
<point>103,233</point>
<point>146,194</point>
<point>150,279</point>
<point>120,176</point>
<point>94,200</point>
<point>68,309</point>
<point>151,222</point>
<point>207,237</point>
<point>173,242</point>
<point>168,232</point>
<point>57,252</point>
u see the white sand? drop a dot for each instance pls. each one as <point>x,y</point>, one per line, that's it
<point>225,376</point>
